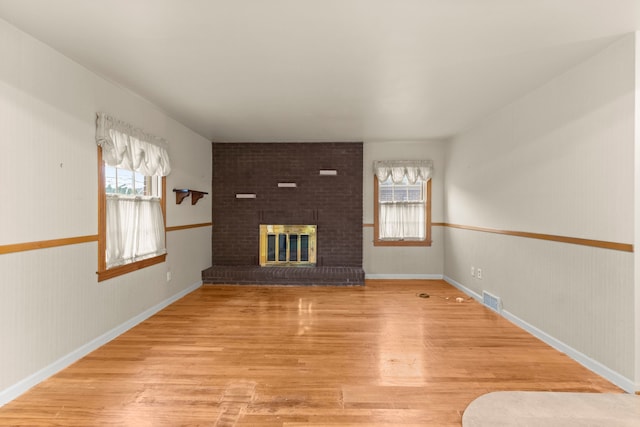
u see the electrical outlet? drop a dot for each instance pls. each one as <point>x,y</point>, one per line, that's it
<point>168,276</point>
<point>473,271</point>
<point>479,273</point>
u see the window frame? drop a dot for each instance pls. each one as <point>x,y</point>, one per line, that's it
<point>376,220</point>
<point>104,273</point>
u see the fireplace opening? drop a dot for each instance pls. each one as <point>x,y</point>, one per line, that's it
<point>287,245</point>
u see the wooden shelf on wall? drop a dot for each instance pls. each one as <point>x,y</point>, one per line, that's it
<point>183,193</point>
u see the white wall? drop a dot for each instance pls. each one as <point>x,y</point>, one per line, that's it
<point>558,161</point>
<point>398,261</point>
<point>637,211</point>
<point>51,305</point>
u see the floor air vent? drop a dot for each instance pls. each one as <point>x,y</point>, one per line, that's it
<point>492,301</point>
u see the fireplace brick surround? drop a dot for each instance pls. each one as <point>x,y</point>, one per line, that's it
<point>333,203</point>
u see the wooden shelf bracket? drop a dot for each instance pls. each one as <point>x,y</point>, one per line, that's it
<point>183,193</point>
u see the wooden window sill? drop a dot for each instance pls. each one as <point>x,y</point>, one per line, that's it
<point>402,243</point>
<point>128,268</point>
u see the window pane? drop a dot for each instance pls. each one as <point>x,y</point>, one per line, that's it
<point>304,247</point>
<point>386,194</point>
<point>282,247</point>
<point>400,193</point>
<point>271,247</point>
<point>125,181</point>
<point>415,193</point>
<point>293,247</point>
<point>140,184</point>
<point>110,183</point>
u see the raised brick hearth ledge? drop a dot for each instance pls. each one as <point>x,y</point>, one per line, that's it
<point>306,276</point>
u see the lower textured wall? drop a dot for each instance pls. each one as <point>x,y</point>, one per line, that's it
<point>52,308</point>
<point>578,295</point>
<point>51,305</point>
<point>399,262</point>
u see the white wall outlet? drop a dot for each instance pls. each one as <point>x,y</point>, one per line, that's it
<point>479,273</point>
<point>168,276</point>
<point>473,271</point>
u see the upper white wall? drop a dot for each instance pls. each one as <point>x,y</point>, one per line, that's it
<point>51,304</point>
<point>48,105</point>
<point>557,161</point>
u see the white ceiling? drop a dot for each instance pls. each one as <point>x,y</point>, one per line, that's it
<point>326,70</point>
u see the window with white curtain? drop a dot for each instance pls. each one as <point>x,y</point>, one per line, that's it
<point>132,192</point>
<point>402,198</point>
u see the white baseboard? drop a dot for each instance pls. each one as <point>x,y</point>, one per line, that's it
<point>404,276</point>
<point>589,363</point>
<point>22,386</point>
<point>624,383</point>
<point>464,289</point>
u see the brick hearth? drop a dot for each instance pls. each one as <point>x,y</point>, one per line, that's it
<point>256,275</point>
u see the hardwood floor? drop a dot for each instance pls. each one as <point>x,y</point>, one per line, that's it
<point>293,356</point>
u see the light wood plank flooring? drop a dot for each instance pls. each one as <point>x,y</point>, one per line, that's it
<point>299,356</point>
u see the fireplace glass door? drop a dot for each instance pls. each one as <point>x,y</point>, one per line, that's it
<point>287,245</point>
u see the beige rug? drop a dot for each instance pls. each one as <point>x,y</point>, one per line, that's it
<point>530,408</point>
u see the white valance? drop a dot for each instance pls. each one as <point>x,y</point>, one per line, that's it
<point>127,147</point>
<point>398,169</point>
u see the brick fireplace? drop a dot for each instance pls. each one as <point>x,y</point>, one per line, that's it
<point>260,184</point>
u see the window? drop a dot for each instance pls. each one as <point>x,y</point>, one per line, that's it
<point>129,183</point>
<point>132,193</point>
<point>402,203</point>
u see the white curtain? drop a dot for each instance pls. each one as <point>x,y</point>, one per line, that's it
<point>135,229</point>
<point>402,220</point>
<point>135,225</point>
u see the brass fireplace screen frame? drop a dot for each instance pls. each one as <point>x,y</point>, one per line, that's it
<point>287,245</point>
